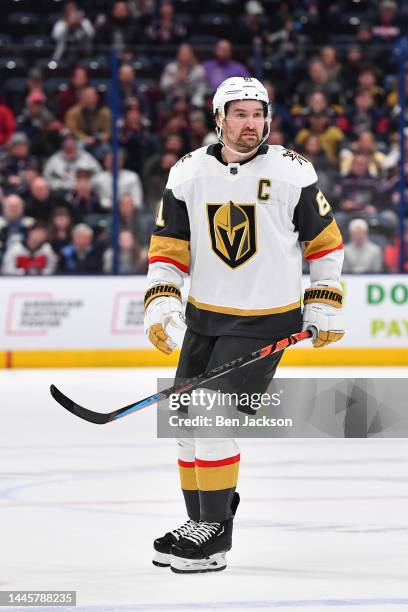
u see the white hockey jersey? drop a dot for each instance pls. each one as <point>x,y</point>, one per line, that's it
<point>238,230</point>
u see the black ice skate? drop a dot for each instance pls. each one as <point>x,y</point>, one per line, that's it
<point>204,548</point>
<point>162,545</point>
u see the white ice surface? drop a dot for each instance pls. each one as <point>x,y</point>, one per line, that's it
<point>322,524</point>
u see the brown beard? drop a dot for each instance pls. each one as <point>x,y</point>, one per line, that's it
<point>248,147</point>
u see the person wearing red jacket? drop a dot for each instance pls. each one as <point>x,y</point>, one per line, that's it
<point>392,254</point>
<point>7,123</point>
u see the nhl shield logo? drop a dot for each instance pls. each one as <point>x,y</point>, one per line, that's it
<point>232,231</point>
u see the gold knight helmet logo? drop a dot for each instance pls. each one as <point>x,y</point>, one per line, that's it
<point>232,232</point>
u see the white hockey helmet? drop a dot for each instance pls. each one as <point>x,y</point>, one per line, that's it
<point>240,88</point>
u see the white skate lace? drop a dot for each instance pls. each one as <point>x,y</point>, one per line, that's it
<point>202,532</point>
<point>184,529</point>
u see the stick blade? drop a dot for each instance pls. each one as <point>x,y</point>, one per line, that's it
<point>77,410</point>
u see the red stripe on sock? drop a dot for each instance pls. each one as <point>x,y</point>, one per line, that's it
<point>187,464</point>
<point>220,462</point>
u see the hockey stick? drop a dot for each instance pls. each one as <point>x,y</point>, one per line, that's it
<point>101,418</point>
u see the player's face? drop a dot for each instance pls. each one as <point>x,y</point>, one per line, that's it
<point>243,125</point>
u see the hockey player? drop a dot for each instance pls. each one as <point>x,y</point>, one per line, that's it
<point>236,216</point>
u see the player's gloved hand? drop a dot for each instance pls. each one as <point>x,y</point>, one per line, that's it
<point>322,310</point>
<point>162,312</point>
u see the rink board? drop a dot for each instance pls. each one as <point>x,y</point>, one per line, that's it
<point>98,322</point>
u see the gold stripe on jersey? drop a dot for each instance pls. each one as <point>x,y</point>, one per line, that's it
<point>167,248</point>
<point>327,240</point>
<point>240,312</point>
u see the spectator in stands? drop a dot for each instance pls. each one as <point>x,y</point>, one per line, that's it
<point>222,66</point>
<point>142,10</point>
<point>358,191</point>
<point>40,202</point>
<point>281,119</point>
<point>318,79</point>
<point>184,77</point>
<point>7,122</point>
<point>59,229</point>
<point>363,115</point>
<point>13,223</point>
<point>81,256</point>
<point>129,218</point>
<point>284,39</point>
<point>39,124</point>
<point>128,182</point>
<point>254,25</point>
<point>327,170</point>
<point>69,97</point>
<point>330,136</point>
<point>392,254</point>
<point>360,254</point>
<point>155,175</point>
<point>166,29</point>
<point>367,80</point>
<point>120,30</point>
<point>73,35</point>
<point>364,39</point>
<point>276,137</point>
<point>365,144</point>
<point>88,122</point>
<point>318,103</point>
<point>200,134</point>
<point>31,257</point>
<point>83,199</point>
<point>35,81</point>
<point>61,169</point>
<point>351,67</point>
<point>131,93</point>
<point>392,100</point>
<point>137,142</point>
<point>178,119</point>
<point>386,27</point>
<point>132,258</point>
<point>391,186</point>
<point>18,167</point>
<point>173,143</point>
<point>328,55</point>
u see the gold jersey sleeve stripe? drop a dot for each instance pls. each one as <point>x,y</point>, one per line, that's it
<point>164,247</point>
<point>216,478</point>
<point>328,240</point>
<point>240,312</point>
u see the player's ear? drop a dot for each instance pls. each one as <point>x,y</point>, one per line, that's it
<point>218,120</point>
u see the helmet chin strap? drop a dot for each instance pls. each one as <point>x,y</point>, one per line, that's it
<point>218,130</point>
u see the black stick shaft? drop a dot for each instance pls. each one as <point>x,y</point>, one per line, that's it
<point>188,385</point>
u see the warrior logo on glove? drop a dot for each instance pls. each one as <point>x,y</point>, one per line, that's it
<point>323,303</point>
<point>163,307</point>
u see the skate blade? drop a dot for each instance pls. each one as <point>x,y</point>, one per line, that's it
<point>215,563</point>
<point>161,559</point>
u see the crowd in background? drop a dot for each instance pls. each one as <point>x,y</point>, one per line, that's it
<point>331,76</point>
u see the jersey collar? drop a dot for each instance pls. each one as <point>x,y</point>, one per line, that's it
<point>215,151</point>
